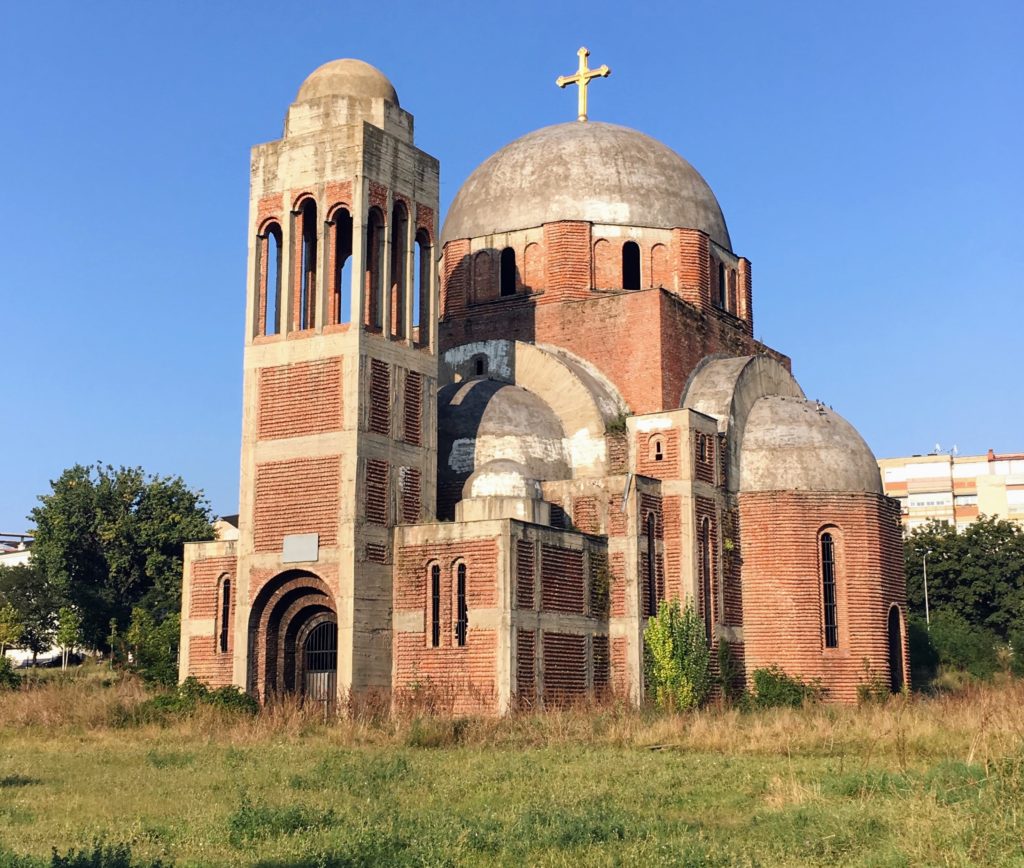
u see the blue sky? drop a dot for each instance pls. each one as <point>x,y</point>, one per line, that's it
<point>867,157</point>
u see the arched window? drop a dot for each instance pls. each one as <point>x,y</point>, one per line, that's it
<point>374,259</point>
<point>722,287</point>
<point>461,611</point>
<point>630,265</point>
<point>225,614</point>
<point>508,272</point>
<point>305,303</point>
<point>657,449</point>
<point>341,271</point>
<point>652,574</point>
<point>421,296</point>
<point>269,247</point>
<point>399,290</point>
<point>828,588</point>
<point>435,605</point>
<point>480,365</point>
<point>706,554</point>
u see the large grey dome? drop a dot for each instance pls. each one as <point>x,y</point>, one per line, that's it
<point>792,444</point>
<point>599,173</point>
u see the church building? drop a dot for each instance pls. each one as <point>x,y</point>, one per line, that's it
<point>476,457</point>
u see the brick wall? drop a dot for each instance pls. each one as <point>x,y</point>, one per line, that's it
<point>205,659</point>
<point>782,596</point>
<point>648,462</point>
<point>567,257</point>
<point>379,421</point>
<point>565,667</point>
<point>301,398</point>
<point>561,580</point>
<point>296,496</point>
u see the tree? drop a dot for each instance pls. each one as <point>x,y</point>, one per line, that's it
<point>69,632</point>
<point>976,573</point>
<point>28,592</point>
<point>109,539</point>
<point>10,628</point>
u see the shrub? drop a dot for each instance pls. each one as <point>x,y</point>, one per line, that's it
<point>9,679</point>
<point>676,657</point>
<point>773,688</point>
<point>730,674</point>
<point>189,696</point>
<point>962,645</point>
<point>102,856</point>
<point>1017,650</point>
<point>253,822</point>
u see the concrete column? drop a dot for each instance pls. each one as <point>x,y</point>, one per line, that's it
<point>410,270</point>
<point>323,269</point>
<point>385,270</point>
<point>358,294</point>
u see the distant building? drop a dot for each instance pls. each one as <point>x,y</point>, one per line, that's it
<point>955,488</point>
<point>14,549</point>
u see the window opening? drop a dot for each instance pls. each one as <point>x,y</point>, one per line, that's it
<point>374,255</point>
<point>659,453</point>
<point>342,289</point>
<point>462,614</point>
<point>828,584</point>
<point>705,575</point>
<point>630,265</point>
<point>702,447</point>
<point>722,289</point>
<point>225,612</point>
<point>271,280</point>
<point>481,366</point>
<point>307,290</point>
<point>508,271</point>
<point>421,298</point>
<point>652,578</point>
<point>435,605</point>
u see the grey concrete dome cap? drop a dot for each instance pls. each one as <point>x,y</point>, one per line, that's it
<point>792,444</point>
<point>594,172</point>
<point>347,77</point>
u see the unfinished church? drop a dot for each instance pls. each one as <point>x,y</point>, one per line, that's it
<point>475,459</point>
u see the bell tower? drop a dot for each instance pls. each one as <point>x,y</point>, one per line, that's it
<point>338,434</point>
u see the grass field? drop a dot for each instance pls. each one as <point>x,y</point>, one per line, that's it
<point>918,781</point>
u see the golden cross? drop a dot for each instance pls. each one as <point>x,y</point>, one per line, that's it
<point>582,79</point>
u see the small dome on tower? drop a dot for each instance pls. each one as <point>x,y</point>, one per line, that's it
<point>593,172</point>
<point>348,77</point>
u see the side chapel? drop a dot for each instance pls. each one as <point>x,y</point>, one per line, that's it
<point>477,457</point>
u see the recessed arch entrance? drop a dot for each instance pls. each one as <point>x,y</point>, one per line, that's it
<point>293,629</point>
<point>897,677</point>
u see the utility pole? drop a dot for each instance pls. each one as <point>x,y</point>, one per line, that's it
<point>927,614</point>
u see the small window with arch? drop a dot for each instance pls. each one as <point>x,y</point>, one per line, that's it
<point>435,605</point>
<point>507,275</point>
<point>828,590</point>
<point>702,447</point>
<point>656,448</point>
<point>461,608</point>
<point>225,615</point>
<point>630,265</point>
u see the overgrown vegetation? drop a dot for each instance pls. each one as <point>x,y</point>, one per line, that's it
<point>773,688</point>
<point>677,662</point>
<point>913,780</point>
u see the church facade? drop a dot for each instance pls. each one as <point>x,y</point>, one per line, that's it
<point>476,458</point>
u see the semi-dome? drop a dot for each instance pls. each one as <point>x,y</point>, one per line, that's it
<point>595,172</point>
<point>792,444</point>
<point>347,77</point>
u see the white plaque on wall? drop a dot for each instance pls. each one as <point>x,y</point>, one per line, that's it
<point>301,547</point>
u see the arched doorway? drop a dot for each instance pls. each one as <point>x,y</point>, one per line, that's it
<point>896,676</point>
<point>286,615</point>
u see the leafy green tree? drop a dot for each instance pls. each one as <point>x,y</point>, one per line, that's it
<point>10,628</point>
<point>677,660</point>
<point>976,574</point>
<point>27,590</point>
<point>108,540</point>
<point>69,632</point>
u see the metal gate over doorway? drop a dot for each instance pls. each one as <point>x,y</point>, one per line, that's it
<point>321,663</point>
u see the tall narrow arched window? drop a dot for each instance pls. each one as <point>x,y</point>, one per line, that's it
<point>225,614</point>
<point>630,265</point>
<point>374,306</point>
<point>421,296</point>
<point>508,272</point>
<point>828,590</point>
<point>341,267</point>
<point>399,288</point>
<point>305,302</point>
<point>435,605</point>
<point>706,569</point>
<point>461,610</point>
<point>269,247</point>
<point>652,568</point>
<point>723,288</point>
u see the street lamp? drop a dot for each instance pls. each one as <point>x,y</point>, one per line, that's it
<point>927,615</point>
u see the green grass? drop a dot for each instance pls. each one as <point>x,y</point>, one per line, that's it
<point>930,782</point>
